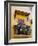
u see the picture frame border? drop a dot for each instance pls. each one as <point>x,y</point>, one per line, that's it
<point>6,13</point>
